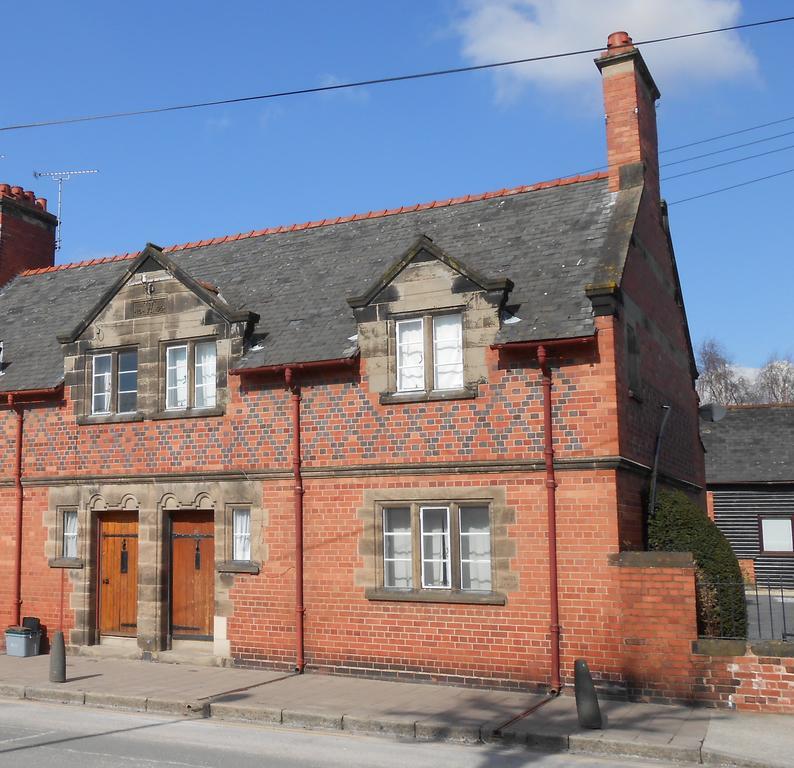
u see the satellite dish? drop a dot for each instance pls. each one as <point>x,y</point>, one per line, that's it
<point>712,412</point>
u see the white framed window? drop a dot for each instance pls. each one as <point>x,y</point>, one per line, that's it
<point>434,532</point>
<point>127,381</point>
<point>475,548</point>
<point>429,353</point>
<point>69,542</point>
<point>205,375</point>
<point>777,534</point>
<point>176,377</point>
<point>436,546</point>
<point>410,355</point>
<point>101,377</point>
<point>241,533</point>
<point>397,548</point>
<point>448,352</point>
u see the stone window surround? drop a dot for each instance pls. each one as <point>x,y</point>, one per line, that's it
<point>428,394</point>
<point>504,579</point>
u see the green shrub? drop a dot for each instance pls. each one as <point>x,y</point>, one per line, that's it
<point>679,525</point>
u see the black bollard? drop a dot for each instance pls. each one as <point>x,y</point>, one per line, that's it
<point>57,659</point>
<point>587,708</point>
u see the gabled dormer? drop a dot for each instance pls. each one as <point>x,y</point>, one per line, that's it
<point>157,345</point>
<point>425,324</point>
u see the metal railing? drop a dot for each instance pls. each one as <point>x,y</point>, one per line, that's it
<point>739,610</point>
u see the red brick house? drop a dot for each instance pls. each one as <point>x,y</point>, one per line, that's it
<point>411,443</point>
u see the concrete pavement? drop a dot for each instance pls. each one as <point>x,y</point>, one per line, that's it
<point>406,711</point>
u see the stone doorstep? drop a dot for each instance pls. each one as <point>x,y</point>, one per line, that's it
<point>428,729</point>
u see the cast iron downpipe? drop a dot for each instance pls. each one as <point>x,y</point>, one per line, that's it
<point>291,381</point>
<point>541,350</point>
<point>297,490</point>
<point>15,405</point>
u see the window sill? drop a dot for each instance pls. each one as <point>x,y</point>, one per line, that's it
<point>110,418</point>
<point>65,562</point>
<point>435,596</point>
<point>187,413</point>
<point>238,566</point>
<point>466,393</point>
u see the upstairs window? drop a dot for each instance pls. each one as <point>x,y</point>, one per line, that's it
<point>429,353</point>
<point>190,375</point>
<point>114,382</point>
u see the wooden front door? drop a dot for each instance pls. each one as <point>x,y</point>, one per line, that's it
<point>118,574</point>
<point>192,575</point>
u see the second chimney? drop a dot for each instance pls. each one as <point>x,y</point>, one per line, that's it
<point>630,96</point>
<point>27,232</point>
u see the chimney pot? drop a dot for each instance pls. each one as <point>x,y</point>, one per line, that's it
<point>29,196</point>
<point>5,189</point>
<point>17,191</point>
<point>618,40</point>
<point>42,203</point>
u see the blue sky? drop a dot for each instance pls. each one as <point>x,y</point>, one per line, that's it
<point>202,173</point>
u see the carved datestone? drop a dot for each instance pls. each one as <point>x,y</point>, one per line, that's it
<point>148,307</point>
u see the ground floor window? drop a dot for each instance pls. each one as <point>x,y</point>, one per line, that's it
<point>437,546</point>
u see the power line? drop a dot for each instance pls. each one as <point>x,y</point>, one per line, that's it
<point>726,135</point>
<point>727,149</point>
<point>727,162</point>
<point>732,186</point>
<point>376,81</point>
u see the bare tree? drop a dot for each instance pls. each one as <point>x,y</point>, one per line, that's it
<point>776,380</point>
<point>718,381</point>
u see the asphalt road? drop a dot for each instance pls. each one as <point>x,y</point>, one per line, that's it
<point>35,735</point>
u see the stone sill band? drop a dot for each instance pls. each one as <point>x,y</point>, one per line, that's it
<point>435,596</point>
<point>238,566</point>
<point>65,562</point>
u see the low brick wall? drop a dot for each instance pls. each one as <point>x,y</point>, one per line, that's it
<point>664,662</point>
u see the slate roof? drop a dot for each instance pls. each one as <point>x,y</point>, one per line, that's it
<point>751,444</point>
<point>551,240</point>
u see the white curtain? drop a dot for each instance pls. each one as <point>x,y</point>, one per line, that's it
<point>176,384</point>
<point>70,534</point>
<point>448,351</point>
<point>242,534</point>
<point>205,374</point>
<point>410,355</point>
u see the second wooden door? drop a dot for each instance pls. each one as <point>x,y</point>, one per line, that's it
<point>192,575</point>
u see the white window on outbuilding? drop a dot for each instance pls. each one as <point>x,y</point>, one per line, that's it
<point>777,534</point>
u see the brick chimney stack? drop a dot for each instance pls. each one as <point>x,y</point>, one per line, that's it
<point>630,96</point>
<point>27,232</point>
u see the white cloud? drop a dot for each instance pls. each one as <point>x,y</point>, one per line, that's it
<point>498,30</point>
